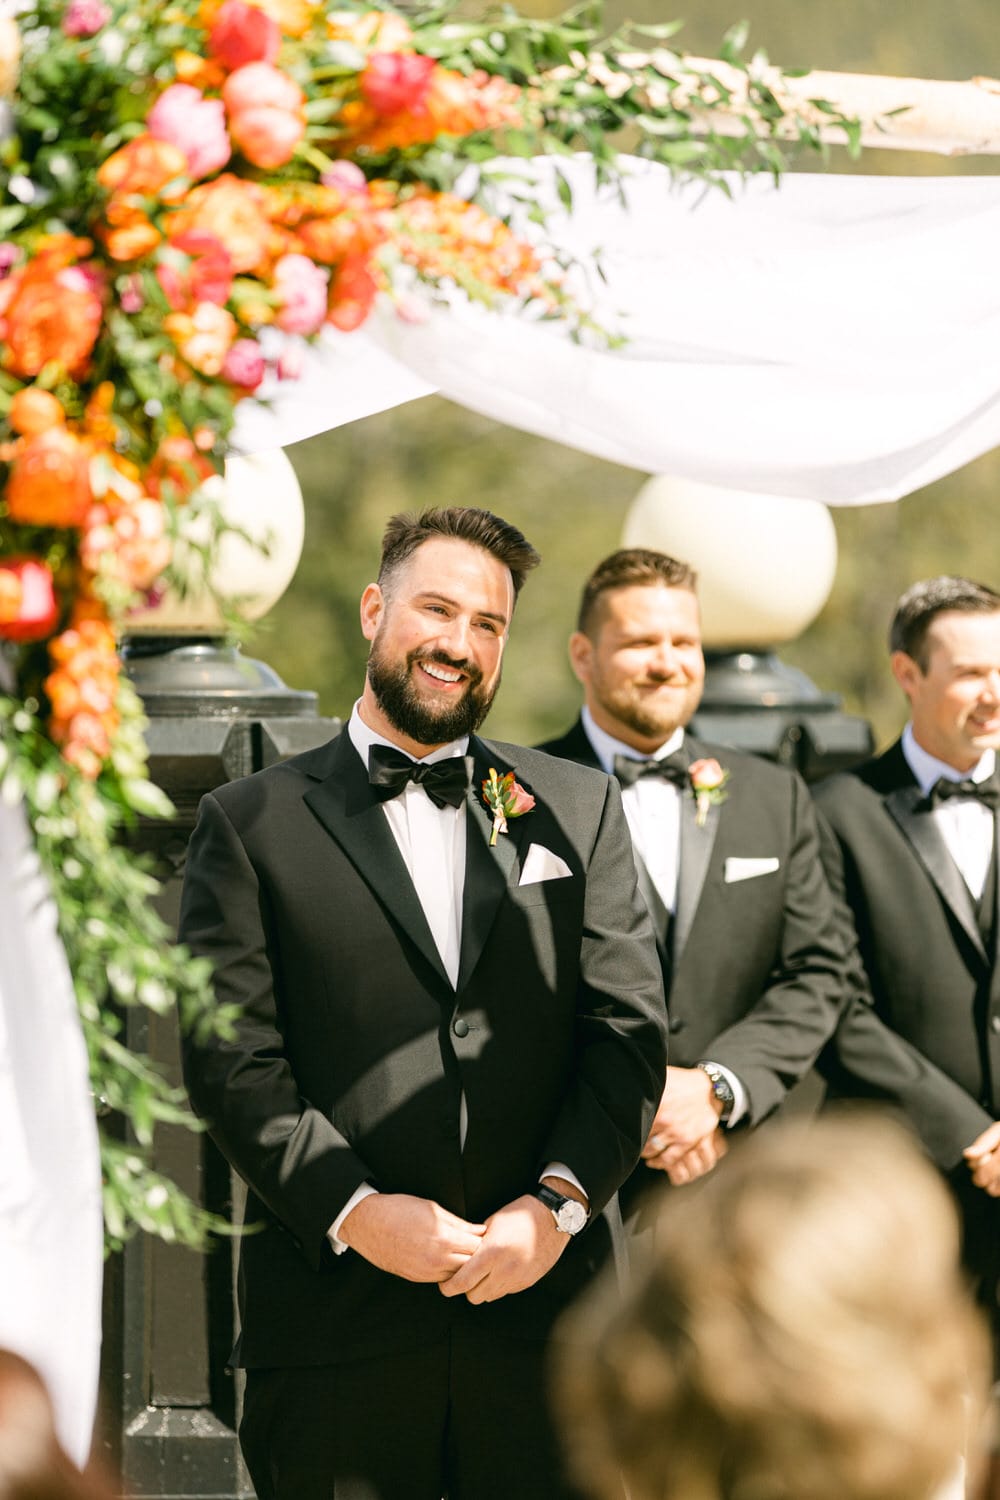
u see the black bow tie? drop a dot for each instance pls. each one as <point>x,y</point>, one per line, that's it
<point>987,792</point>
<point>673,768</point>
<point>444,781</point>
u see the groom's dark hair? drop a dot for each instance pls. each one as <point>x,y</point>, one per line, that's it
<point>405,533</point>
<point>631,567</point>
<point>924,601</point>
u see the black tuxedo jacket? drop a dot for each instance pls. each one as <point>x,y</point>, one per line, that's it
<point>924,1027</point>
<point>353,1049</point>
<point>753,967</point>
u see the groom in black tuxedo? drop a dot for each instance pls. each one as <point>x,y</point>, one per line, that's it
<point>451,1045</point>
<point>910,845</point>
<point>727,854</point>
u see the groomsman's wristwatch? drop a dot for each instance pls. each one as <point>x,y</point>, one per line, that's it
<point>569,1215</point>
<point>721,1088</point>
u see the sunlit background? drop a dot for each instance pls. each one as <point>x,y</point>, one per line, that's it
<point>572,506</point>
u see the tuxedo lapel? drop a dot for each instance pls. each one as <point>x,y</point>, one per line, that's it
<point>488,871</point>
<point>924,836</point>
<point>344,804</point>
<point>696,844</point>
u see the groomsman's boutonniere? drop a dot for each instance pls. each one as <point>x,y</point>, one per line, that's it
<point>505,799</point>
<point>708,781</point>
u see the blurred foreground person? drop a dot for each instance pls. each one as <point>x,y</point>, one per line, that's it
<point>33,1465</point>
<point>802,1332</point>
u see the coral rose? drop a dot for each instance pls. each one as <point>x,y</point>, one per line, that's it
<point>49,483</point>
<point>29,610</point>
<point>242,34</point>
<point>234,212</point>
<point>259,86</point>
<point>184,118</point>
<point>33,410</point>
<point>266,114</point>
<point>394,82</point>
<point>353,294</point>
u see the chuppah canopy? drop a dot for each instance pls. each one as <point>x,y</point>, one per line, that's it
<point>836,338</point>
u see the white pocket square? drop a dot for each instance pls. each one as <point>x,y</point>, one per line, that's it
<point>541,864</point>
<point>748,869</point>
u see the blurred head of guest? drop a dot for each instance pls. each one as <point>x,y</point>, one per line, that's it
<point>802,1332</point>
<point>33,1466</point>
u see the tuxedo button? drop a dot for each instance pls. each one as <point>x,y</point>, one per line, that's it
<point>461,1027</point>
<point>676,1024</point>
<point>995,1023</point>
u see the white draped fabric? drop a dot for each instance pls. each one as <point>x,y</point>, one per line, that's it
<point>835,338</point>
<point>50,1179</point>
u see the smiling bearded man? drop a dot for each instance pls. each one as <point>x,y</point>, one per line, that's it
<point>451,1047</point>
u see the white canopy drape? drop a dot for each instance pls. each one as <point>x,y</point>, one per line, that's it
<point>51,1226</point>
<point>835,338</point>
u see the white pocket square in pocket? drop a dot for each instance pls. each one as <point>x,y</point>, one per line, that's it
<point>541,864</point>
<point>749,869</point>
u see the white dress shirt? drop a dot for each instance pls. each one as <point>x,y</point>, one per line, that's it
<point>431,840</point>
<point>965,824</point>
<point>653,809</point>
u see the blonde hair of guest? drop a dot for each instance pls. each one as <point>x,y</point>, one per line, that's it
<point>802,1332</point>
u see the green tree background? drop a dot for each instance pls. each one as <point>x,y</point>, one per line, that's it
<point>572,506</point>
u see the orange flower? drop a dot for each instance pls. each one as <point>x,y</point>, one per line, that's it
<point>33,410</point>
<point>128,233</point>
<point>203,337</point>
<point>234,212</point>
<point>201,72</point>
<point>143,167</point>
<point>294,17</point>
<point>352,295</point>
<point>177,467</point>
<point>49,483</point>
<point>53,316</point>
<point>82,693</point>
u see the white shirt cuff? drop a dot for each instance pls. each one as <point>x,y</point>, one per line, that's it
<point>560,1169</point>
<point>364,1191</point>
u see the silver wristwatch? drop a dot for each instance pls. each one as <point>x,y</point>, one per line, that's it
<point>569,1215</point>
<point>721,1088</point>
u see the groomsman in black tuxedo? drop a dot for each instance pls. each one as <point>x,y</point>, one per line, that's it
<point>450,1050</point>
<point>727,855</point>
<point>910,845</point>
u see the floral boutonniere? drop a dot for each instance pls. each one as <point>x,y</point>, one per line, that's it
<point>708,782</point>
<point>505,799</point>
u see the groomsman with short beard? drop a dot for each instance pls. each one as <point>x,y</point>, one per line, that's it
<point>450,1050</point>
<point>727,854</point>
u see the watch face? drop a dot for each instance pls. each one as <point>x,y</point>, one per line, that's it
<point>571,1217</point>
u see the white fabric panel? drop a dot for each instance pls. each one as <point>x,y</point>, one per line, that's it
<point>50,1178</point>
<point>835,338</point>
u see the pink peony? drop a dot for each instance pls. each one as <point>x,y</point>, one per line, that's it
<point>244,365</point>
<point>85,17</point>
<point>243,34</point>
<point>396,81</point>
<point>29,610</point>
<point>706,775</point>
<point>184,118</point>
<point>301,288</point>
<point>132,298</point>
<point>346,176</point>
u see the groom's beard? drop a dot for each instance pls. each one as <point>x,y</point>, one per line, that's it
<point>428,723</point>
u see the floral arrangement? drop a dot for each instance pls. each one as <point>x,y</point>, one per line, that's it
<point>191,188</point>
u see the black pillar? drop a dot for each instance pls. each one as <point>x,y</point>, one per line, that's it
<point>169,1404</point>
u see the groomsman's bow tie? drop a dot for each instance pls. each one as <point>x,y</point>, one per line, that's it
<point>444,781</point>
<point>673,768</point>
<point>987,792</point>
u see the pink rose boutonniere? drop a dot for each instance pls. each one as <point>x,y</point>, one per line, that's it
<point>708,781</point>
<point>505,799</point>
